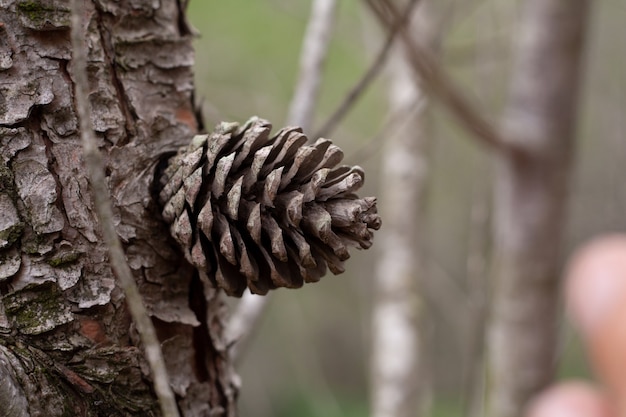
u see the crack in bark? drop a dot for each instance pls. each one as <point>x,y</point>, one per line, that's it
<point>201,337</point>
<point>130,115</point>
<point>52,166</point>
<point>184,27</point>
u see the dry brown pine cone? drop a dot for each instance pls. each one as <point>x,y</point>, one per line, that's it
<point>265,212</point>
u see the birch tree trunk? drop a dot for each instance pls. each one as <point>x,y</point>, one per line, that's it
<point>399,388</point>
<point>530,200</point>
<point>67,346</point>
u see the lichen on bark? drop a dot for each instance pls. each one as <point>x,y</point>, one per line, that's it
<point>43,14</point>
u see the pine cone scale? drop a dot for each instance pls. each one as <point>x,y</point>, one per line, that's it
<point>332,157</point>
<point>289,147</point>
<point>301,156</point>
<point>290,206</point>
<point>233,200</point>
<point>174,206</point>
<point>248,266</point>
<point>270,188</point>
<point>254,223</point>
<point>251,176</point>
<point>216,143</point>
<point>221,174</point>
<point>303,249</point>
<point>318,222</point>
<point>253,139</point>
<point>205,219</point>
<point>311,188</point>
<point>313,163</point>
<point>348,184</point>
<point>192,185</point>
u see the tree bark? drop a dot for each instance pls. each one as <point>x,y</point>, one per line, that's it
<point>530,201</point>
<point>67,345</point>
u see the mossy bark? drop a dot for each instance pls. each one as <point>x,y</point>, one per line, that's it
<point>67,345</point>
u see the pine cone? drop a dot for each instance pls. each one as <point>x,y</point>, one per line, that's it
<point>264,212</point>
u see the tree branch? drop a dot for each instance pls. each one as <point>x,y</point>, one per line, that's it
<point>368,77</point>
<point>314,51</point>
<point>95,165</point>
<point>438,82</point>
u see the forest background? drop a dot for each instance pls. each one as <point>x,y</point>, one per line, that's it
<point>310,355</point>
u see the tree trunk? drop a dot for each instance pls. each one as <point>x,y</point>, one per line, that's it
<point>530,201</point>
<point>67,345</point>
<point>399,384</point>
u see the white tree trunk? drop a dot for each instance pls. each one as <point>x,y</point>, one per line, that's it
<point>312,57</point>
<point>399,387</point>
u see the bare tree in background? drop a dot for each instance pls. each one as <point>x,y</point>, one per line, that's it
<point>399,383</point>
<point>312,58</point>
<point>530,201</point>
<point>533,151</point>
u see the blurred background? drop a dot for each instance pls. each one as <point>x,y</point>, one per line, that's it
<point>310,354</point>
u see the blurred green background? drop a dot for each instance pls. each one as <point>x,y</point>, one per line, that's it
<point>310,354</point>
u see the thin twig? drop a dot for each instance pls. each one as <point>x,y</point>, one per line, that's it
<point>478,296</point>
<point>439,83</point>
<point>312,58</point>
<point>368,77</point>
<point>396,119</point>
<point>251,308</point>
<point>95,166</point>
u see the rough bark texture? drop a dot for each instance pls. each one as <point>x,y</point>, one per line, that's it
<point>67,346</point>
<point>399,386</point>
<point>530,201</point>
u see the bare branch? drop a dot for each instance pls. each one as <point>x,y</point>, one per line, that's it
<point>478,296</point>
<point>398,119</point>
<point>438,82</point>
<point>314,52</point>
<point>366,80</point>
<point>95,165</point>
